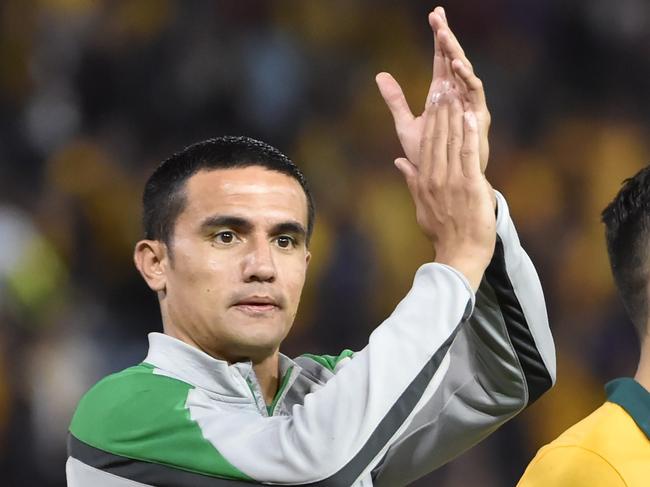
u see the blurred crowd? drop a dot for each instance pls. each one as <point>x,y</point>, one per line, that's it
<point>94,94</point>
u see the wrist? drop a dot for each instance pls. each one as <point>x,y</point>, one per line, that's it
<point>471,268</point>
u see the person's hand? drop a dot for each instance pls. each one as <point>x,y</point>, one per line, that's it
<point>453,200</point>
<point>453,72</point>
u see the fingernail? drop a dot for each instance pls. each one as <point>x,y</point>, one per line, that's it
<point>444,14</point>
<point>470,117</point>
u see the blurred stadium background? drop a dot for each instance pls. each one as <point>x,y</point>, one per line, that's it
<point>93,94</point>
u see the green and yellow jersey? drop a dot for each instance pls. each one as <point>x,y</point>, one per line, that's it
<point>610,447</point>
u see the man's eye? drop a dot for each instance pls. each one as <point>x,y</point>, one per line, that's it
<point>285,242</point>
<point>225,237</point>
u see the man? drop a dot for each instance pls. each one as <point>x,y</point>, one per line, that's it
<point>611,446</point>
<point>227,225</point>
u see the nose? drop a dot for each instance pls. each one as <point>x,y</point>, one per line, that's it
<point>258,264</point>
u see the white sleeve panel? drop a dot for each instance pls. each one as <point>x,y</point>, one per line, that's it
<point>501,359</point>
<point>345,427</point>
<point>526,286</point>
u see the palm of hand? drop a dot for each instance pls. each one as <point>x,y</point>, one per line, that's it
<point>410,131</point>
<point>453,76</point>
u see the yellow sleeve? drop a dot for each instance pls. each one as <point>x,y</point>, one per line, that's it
<point>570,466</point>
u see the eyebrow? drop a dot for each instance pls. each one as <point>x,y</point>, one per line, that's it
<point>235,222</point>
<point>294,228</point>
<point>244,225</point>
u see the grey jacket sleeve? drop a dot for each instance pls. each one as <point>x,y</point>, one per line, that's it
<point>502,359</point>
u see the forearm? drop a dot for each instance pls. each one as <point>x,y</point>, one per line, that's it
<point>511,343</point>
<point>501,360</point>
<point>512,285</point>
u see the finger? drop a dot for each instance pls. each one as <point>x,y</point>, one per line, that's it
<point>475,91</point>
<point>394,97</point>
<point>442,28</point>
<point>453,51</point>
<point>410,173</point>
<point>440,10</point>
<point>454,43</point>
<point>441,33</point>
<point>455,141</point>
<point>426,140</point>
<point>470,152</point>
<point>440,66</point>
<point>440,136</point>
<point>450,45</point>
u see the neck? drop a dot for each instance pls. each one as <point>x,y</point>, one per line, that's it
<point>643,372</point>
<point>267,369</point>
<point>267,372</point>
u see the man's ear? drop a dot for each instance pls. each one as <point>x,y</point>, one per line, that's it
<point>151,259</point>
<point>307,258</point>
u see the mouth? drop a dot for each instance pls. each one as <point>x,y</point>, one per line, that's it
<point>257,305</point>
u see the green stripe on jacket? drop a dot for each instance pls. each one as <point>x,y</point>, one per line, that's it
<point>141,415</point>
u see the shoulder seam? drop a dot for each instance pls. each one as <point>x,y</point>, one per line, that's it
<point>582,448</point>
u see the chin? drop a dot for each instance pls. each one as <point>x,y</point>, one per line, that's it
<point>256,336</point>
<point>258,343</point>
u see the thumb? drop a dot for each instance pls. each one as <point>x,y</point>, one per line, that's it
<point>393,95</point>
<point>409,171</point>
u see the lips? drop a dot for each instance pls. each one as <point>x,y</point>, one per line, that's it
<point>257,300</point>
<point>257,304</point>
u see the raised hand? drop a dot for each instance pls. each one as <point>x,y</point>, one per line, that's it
<point>452,72</point>
<point>453,200</point>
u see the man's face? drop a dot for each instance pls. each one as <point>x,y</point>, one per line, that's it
<point>239,262</point>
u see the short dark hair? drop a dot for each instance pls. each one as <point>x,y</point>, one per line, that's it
<point>627,231</point>
<point>164,197</point>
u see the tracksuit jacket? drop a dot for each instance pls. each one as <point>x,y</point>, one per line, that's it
<point>443,371</point>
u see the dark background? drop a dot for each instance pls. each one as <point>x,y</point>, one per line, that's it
<point>94,94</point>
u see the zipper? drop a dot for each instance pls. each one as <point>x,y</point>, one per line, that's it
<point>254,387</point>
<point>280,394</point>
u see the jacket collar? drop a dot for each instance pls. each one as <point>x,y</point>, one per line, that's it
<point>632,397</point>
<point>177,359</point>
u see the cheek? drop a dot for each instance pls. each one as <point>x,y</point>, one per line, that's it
<point>295,279</point>
<point>201,271</point>
<point>218,274</point>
